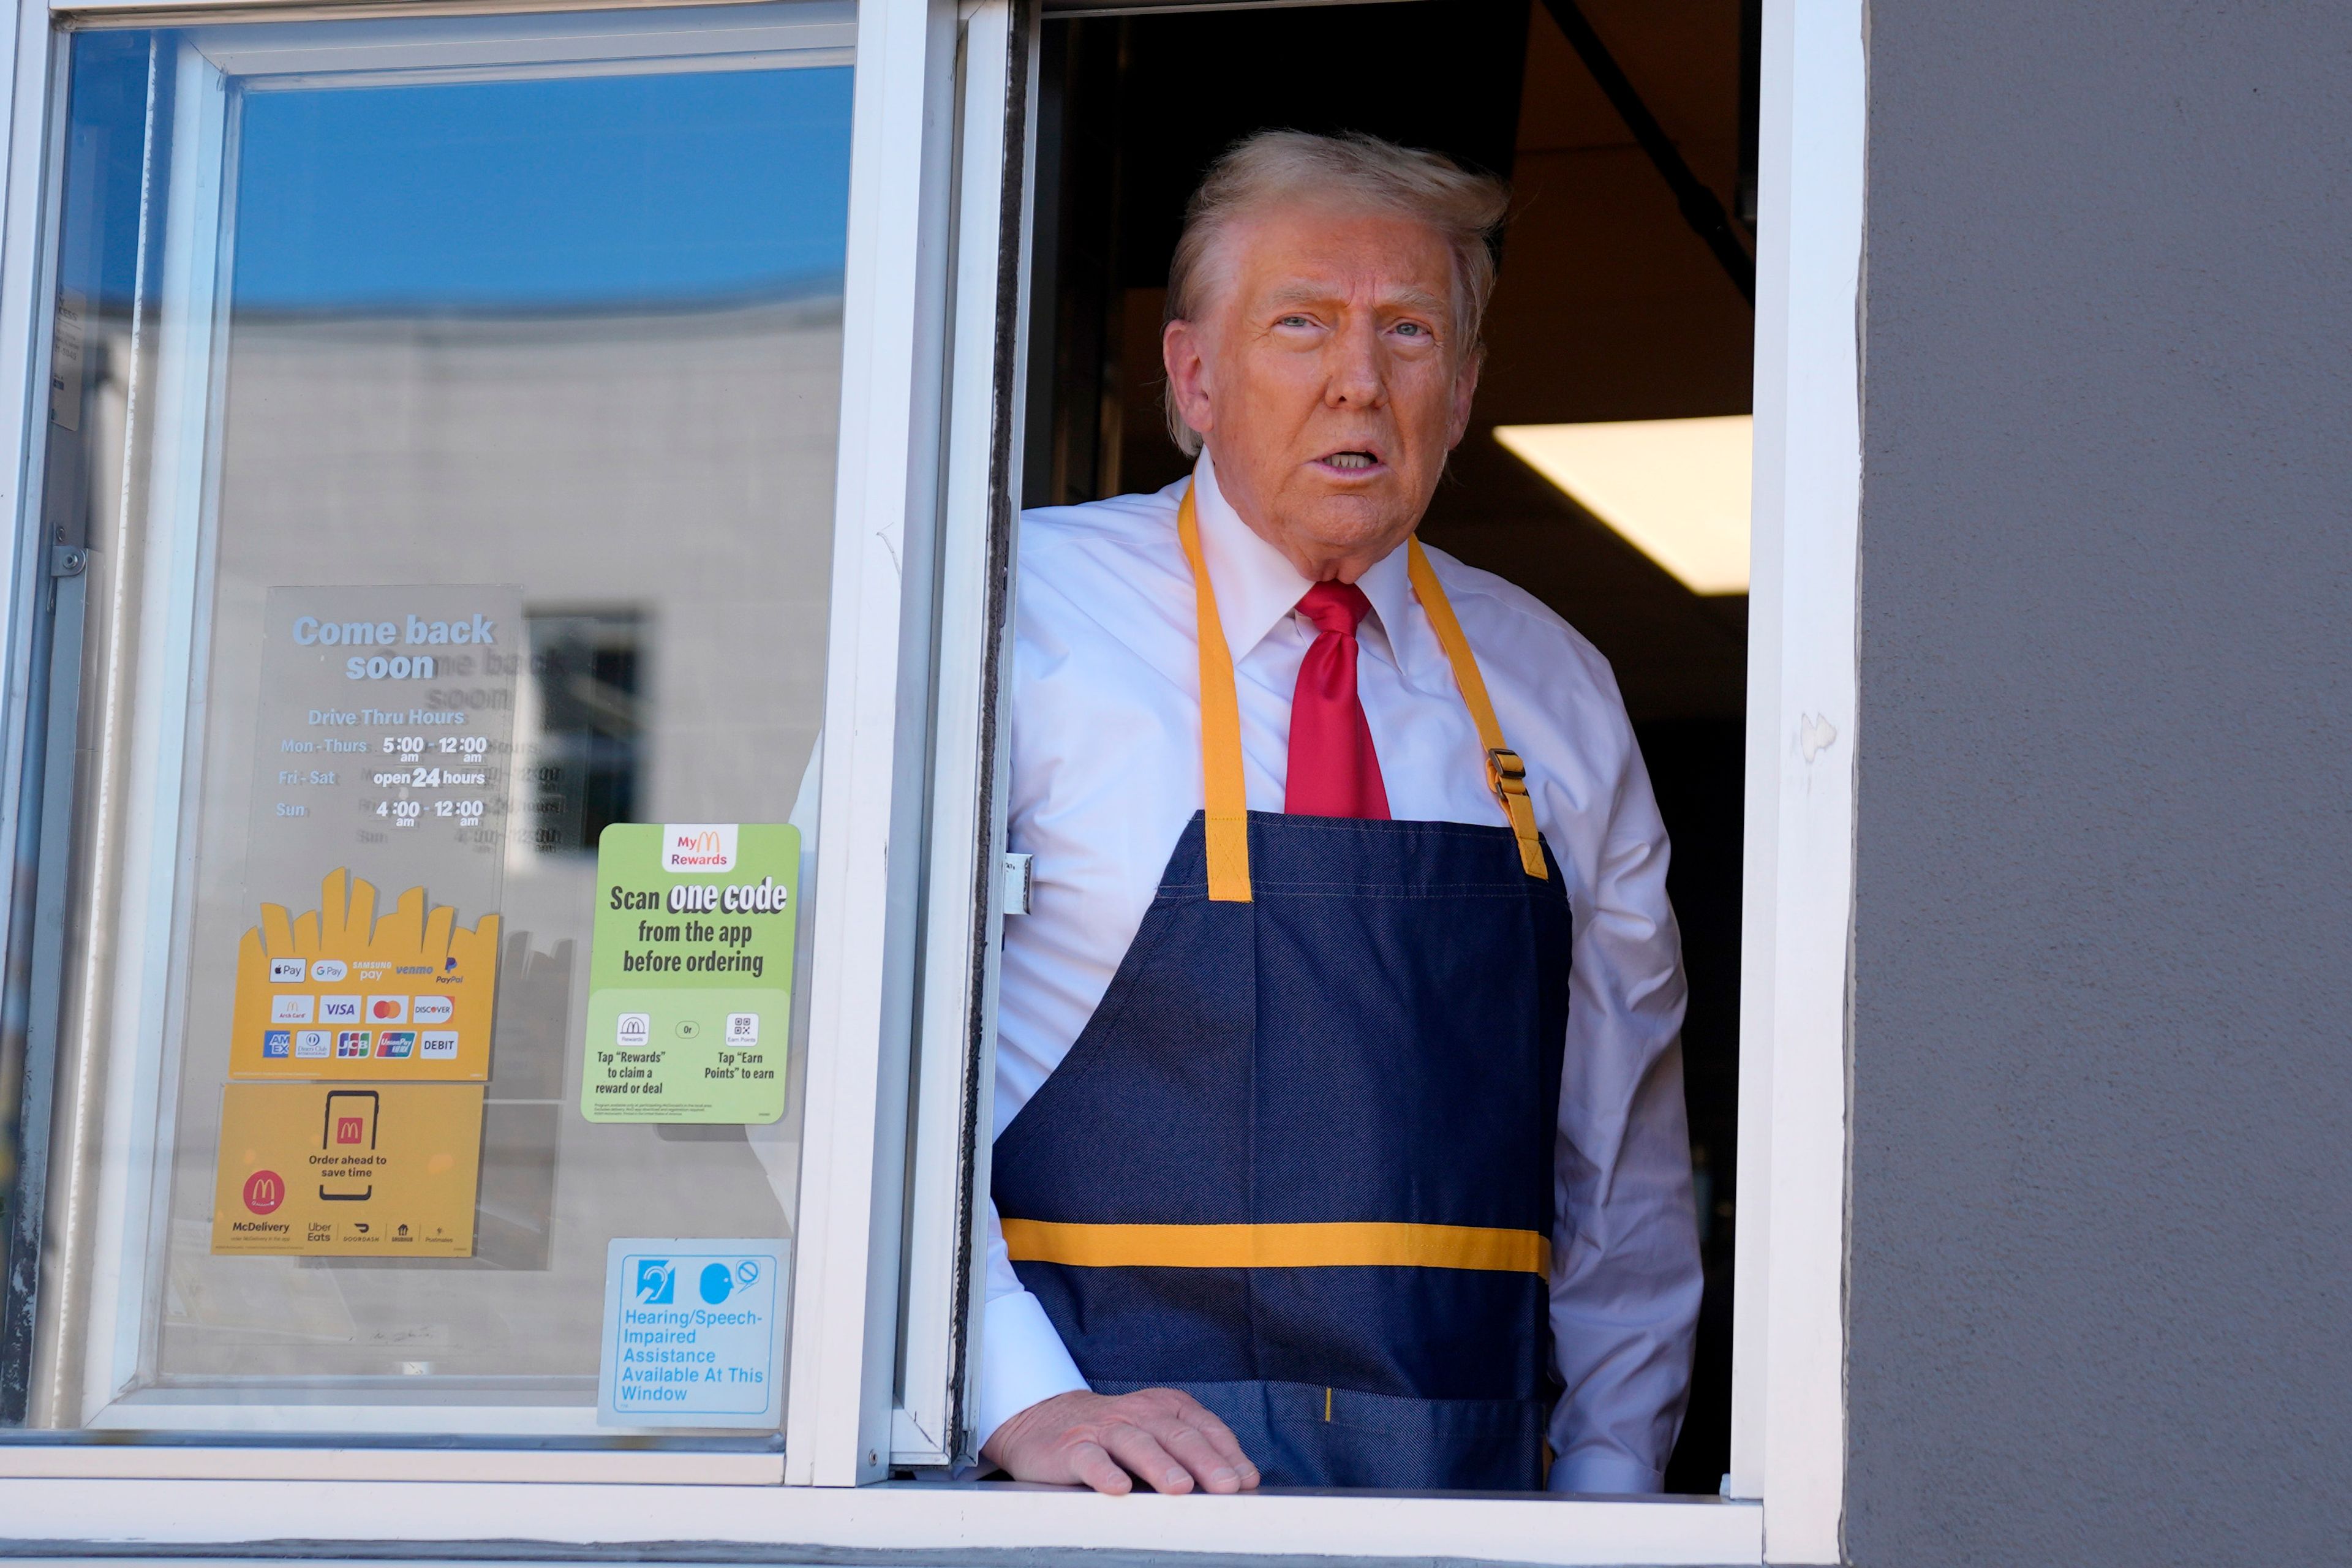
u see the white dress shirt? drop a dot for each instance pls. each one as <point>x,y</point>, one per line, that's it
<point>1106,771</point>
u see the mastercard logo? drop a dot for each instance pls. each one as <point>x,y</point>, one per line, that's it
<point>387,1009</point>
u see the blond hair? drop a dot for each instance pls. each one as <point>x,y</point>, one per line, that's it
<point>1354,170</point>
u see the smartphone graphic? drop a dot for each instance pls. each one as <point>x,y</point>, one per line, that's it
<point>349,1126</point>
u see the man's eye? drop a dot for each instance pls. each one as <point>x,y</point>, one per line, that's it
<point>1412,329</point>
<point>1293,322</point>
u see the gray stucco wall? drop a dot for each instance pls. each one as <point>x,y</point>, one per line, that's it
<point>2103,969</point>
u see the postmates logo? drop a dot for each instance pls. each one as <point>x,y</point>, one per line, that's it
<point>264,1191</point>
<point>698,848</point>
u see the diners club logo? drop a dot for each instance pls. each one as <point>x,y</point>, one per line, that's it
<point>264,1191</point>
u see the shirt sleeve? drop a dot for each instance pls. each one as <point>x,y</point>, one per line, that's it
<point>1625,1280</point>
<point>1022,1357</point>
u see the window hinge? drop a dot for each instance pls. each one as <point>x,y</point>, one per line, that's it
<point>1017,884</point>
<point>68,560</point>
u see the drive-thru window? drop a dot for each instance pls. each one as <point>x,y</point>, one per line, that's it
<point>505,731</point>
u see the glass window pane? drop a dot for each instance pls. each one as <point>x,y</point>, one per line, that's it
<point>450,417</point>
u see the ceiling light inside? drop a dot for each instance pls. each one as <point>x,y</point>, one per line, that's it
<point>1677,489</point>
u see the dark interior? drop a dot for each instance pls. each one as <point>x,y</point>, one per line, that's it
<point>1610,305</point>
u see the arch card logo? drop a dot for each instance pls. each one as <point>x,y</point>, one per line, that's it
<point>698,848</point>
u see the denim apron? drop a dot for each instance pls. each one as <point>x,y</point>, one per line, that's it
<point>1299,1163</point>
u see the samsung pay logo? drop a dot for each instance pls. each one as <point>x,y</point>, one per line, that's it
<point>692,848</point>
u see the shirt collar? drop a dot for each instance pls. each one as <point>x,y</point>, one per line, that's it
<point>1256,584</point>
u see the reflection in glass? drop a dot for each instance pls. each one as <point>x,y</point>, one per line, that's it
<point>566,342</point>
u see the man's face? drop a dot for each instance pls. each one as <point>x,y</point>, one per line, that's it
<point>1326,381</point>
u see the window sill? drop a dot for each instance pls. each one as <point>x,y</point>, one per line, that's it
<point>440,1518</point>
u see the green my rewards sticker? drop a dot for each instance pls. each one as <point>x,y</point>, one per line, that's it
<point>690,985</point>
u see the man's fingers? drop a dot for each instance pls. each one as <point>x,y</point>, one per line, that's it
<point>1211,1468</point>
<point>1204,1421</point>
<point>1090,1464</point>
<point>1139,1451</point>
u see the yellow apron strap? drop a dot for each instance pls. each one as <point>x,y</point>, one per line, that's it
<point>1226,800</point>
<point>1221,731</point>
<point>1506,775</point>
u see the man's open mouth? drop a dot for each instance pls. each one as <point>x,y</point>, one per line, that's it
<point>1354,461</point>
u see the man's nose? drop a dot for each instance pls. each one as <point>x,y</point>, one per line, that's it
<point>1358,372</point>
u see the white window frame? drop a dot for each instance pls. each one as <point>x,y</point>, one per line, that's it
<point>1784,1496</point>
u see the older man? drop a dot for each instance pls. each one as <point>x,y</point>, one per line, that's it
<point>1339,1089</point>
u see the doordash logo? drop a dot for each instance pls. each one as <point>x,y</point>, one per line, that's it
<point>698,848</point>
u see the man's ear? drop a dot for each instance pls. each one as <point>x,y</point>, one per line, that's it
<point>1465,389</point>
<point>1184,352</point>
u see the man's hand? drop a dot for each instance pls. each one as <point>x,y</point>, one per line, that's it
<point>1165,1436</point>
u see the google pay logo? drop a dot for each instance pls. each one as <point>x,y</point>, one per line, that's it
<point>657,1282</point>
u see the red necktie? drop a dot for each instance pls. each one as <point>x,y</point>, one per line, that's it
<point>1334,772</point>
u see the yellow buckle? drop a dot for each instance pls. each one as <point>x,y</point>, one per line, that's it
<point>1504,772</point>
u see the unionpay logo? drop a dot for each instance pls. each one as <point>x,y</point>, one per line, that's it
<point>697,848</point>
<point>657,1282</point>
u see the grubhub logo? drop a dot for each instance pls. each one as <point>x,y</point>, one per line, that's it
<point>698,848</point>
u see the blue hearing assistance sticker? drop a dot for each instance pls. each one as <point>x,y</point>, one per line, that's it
<point>693,1333</point>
